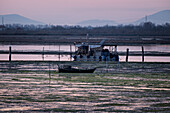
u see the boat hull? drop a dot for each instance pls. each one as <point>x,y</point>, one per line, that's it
<point>72,70</point>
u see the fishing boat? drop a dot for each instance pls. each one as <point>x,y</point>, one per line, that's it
<point>69,69</point>
<point>95,52</point>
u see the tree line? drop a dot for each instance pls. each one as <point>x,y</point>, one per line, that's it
<point>144,29</point>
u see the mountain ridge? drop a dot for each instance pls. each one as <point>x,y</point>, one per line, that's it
<point>160,17</point>
<point>18,19</point>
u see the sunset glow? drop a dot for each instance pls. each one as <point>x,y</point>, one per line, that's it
<point>74,11</point>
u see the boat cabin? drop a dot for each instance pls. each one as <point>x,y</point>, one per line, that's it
<point>87,52</point>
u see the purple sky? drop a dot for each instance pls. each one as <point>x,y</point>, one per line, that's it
<point>74,11</point>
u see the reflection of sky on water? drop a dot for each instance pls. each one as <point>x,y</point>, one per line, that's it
<point>38,47</point>
<point>160,48</point>
<point>147,58</point>
<point>67,58</point>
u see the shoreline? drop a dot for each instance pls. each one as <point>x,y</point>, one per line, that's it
<point>67,40</point>
<point>84,62</point>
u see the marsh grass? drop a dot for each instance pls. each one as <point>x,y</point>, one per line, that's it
<point>93,78</point>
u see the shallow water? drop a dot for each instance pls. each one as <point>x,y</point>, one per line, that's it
<point>24,57</point>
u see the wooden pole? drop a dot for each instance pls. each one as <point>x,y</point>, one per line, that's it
<point>127,54</point>
<point>142,54</point>
<point>43,54</point>
<point>49,74</point>
<point>70,52</point>
<point>59,53</point>
<point>75,48</point>
<point>10,53</point>
<point>116,48</point>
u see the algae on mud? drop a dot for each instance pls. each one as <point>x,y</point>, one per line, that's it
<point>129,88</point>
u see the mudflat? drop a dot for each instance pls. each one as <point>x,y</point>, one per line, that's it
<point>27,86</point>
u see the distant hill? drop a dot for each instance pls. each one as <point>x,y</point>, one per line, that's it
<point>17,19</point>
<point>97,22</point>
<point>161,17</point>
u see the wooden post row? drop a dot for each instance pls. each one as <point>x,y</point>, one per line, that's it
<point>70,52</point>
<point>9,53</point>
<point>142,54</point>
<point>127,54</point>
<point>59,53</point>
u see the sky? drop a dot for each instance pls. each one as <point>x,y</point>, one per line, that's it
<point>75,11</point>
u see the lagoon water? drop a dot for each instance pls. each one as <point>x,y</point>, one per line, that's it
<point>24,57</point>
